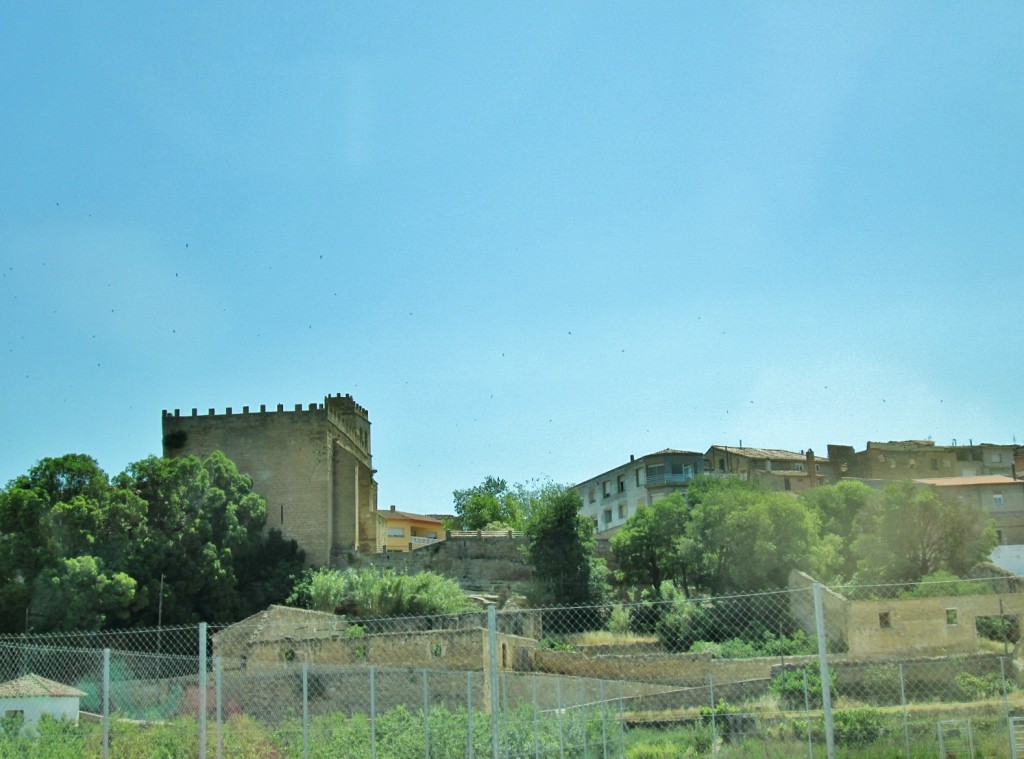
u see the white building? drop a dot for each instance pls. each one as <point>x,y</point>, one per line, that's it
<point>612,497</point>
<point>32,696</point>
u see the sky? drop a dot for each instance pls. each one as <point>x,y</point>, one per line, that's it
<point>531,239</point>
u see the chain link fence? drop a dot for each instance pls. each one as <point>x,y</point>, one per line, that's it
<point>913,671</point>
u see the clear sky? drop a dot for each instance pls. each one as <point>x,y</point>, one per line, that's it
<point>531,239</point>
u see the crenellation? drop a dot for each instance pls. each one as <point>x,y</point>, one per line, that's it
<point>324,501</point>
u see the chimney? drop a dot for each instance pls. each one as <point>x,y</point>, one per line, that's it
<point>810,466</point>
<point>392,507</point>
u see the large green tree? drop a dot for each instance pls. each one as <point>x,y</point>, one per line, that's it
<point>909,531</point>
<point>742,537</point>
<point>73,540</point>
<point>491,503</point>
<point>648,546</point>
<point>560,549</point>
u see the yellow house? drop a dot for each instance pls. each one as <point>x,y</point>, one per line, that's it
<point>402,531</point>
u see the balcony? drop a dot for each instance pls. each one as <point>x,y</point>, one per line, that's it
<point>415,542</point>
<point>660,480</point>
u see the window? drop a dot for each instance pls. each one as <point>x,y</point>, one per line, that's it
<point>656,474</point>
<point>786,483</point>
<point>721,465</point>
<point>934,464</point>
<point>622,511</point>
<point>999,537</point>
<point>951,616</point>
<point>997,499</point>
<point>432,535</point>
<point>677,467</point>
<point>607,516</point>
<point>637,473</point>
<point>605,489</point>
<point>997,458</point>
<point>884,620</point>
<point>396,532</point>
<point>621,483</point>
<point>590,495</point>
<point>798,467</point>
<point>912,463</point>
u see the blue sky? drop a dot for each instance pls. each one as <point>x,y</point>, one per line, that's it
<point>531,239</point>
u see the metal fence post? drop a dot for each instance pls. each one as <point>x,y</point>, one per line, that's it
<point>469,715</point>
<point>622,719</point>
<point>218,667</point>
<point>305,710</point>
<point>373,712</point>
<point>536,726</point>
<point>906,713</point>
<point>807,716</point>
<point>714,722</point>
<point>583,713</point>
<point>426,716</point>
<point>492,654</point>
<point>106,703</point>
<point>559,712</point>
<point>826,684</point>
<point>604,718</point>
<point>202,690</point>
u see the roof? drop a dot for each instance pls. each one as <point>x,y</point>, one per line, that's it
<point>636,459</point>
<point>32,686</point>
<point>969,481</point>
<point>767,453</point>
<point>407,515</point>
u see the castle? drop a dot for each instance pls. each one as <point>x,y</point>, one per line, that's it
<point>313,466</point>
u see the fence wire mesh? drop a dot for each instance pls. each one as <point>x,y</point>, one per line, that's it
<point>861,671</point>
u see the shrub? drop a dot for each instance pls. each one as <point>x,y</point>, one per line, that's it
<point>619,621</point>
<point>975,688</point>
<point>857,728</point>
<point>788,686</point>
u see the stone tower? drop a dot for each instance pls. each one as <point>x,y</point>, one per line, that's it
<point>313,465</point>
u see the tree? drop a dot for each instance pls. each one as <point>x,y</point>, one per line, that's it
<point>909,531</point>
<point>741,537</point>
<point>647,547</point>
<point>79,594</point>
<point>560,548</point>
<point>837,507</point>
<point>72,540</point>
<point>491,502</point>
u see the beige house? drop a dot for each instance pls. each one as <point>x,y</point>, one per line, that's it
<point>610,498</point>
<point>1000,496</point>
<point>774,468</point>
<point>909,459</point>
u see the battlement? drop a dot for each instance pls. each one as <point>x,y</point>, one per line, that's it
<point>338,403</point>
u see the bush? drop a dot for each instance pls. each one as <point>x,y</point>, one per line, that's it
<point>857,728</point>
<point>975,688</point>
<point>788,687</point>
<point>376,593</point>
<point>619,621</point>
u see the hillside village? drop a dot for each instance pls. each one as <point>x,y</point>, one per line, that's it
<point>314,466</point>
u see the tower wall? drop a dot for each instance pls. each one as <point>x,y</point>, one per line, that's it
<point>306,462</point>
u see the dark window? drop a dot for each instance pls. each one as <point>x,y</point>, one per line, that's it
<point>884,620</point>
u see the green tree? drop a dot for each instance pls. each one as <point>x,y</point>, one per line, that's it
<point>560,549</point>
<point>647,547</point>
<point>68,534</point>
<point>909,531</point>
<point>741,537</point>
<point>79,594</point>
<point>837,507</point>
<point>491,502</point>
